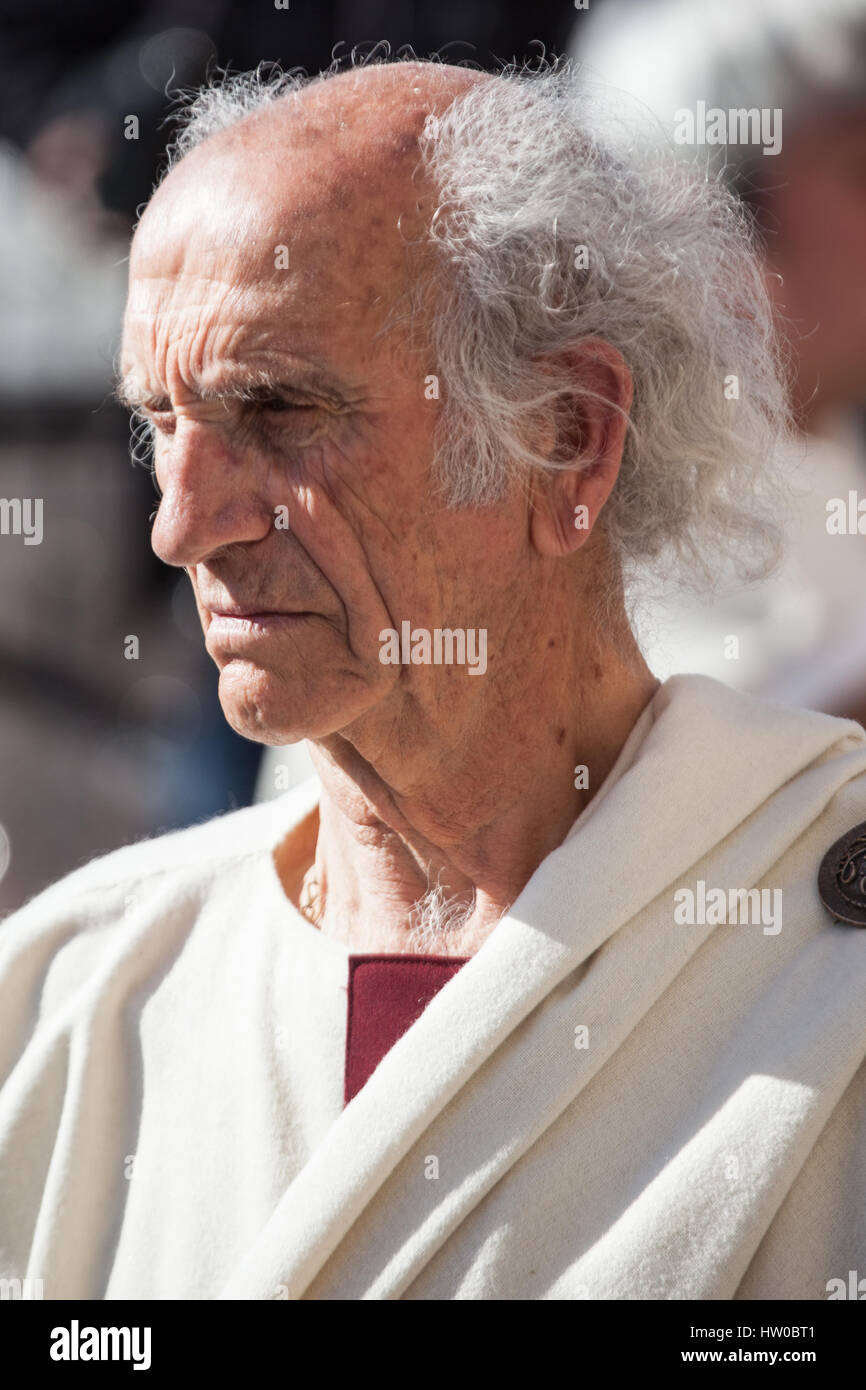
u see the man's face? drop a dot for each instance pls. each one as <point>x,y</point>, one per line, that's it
<point>304,514</point>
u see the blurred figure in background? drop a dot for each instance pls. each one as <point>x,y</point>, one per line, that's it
<point>801,66</point>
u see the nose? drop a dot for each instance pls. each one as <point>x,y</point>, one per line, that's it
<point>208,497</point>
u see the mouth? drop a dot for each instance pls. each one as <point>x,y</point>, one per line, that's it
<point>251,615</point>
<point>237,623</point>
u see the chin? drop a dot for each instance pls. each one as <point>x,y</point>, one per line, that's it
<point>271,709</point>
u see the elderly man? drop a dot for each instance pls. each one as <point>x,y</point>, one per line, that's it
<point>535,993</point>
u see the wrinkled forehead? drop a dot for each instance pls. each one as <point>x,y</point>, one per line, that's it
<point>311,196</point>
<point>301,227</point>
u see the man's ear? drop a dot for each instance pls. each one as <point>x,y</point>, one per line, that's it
<point>590,434</point>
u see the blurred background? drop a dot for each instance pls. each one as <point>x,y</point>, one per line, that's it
<point>110,728</point>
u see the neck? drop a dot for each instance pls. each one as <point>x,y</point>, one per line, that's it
<point>465,820</point>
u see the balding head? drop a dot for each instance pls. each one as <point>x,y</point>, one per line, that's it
<point>330,171</point>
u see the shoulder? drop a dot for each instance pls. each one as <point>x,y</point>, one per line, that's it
<point>753,747</point>
<point>232,835</point>
<point>778,786</point>
<point>156,877</point>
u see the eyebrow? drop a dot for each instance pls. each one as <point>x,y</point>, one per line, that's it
<point>243,384</point>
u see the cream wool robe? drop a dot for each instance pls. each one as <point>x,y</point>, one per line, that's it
<point>171,1124</point>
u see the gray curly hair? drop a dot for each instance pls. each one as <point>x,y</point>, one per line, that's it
<point>530,167</point>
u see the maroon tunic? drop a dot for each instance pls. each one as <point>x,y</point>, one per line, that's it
<point>386,995</point>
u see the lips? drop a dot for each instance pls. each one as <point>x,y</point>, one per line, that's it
<point>235,631</point>
<point>254,615</point>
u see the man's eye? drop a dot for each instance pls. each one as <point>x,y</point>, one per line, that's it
<point>275,405</point>
<point>162,421</point>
